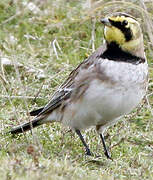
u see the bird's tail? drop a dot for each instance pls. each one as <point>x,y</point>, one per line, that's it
<point>26,126</point>
<point>36,112</point>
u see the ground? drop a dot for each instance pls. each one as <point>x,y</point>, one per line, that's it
<point>40,43</point>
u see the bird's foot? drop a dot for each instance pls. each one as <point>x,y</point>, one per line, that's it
<point>108,154</point>
<point>88,153</point>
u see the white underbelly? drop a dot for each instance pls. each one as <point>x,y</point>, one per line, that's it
<point>101,104</point>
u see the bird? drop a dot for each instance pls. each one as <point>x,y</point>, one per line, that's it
<point>103,88</point>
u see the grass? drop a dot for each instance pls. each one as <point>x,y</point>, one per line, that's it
<point>29,34</point>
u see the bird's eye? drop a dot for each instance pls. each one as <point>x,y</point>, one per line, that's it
<point>125,22</point>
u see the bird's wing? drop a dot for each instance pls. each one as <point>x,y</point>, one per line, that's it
<point>65,90</point>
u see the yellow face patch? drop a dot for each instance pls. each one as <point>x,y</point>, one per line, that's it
<point>113,34</point>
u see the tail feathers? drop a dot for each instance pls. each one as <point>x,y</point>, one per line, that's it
<point>25,127</point>
<point>36,112</point>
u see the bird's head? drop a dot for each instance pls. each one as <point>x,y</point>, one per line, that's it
<point>125,31</point>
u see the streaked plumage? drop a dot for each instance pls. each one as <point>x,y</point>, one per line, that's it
<point>104,87</point>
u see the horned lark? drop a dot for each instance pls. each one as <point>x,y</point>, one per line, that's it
<point>104,87</point>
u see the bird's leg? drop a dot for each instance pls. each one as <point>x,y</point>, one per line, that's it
<point>106,152</point>
<point>84,143</point>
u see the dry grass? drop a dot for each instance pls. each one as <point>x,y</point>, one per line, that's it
<point>41,42</point>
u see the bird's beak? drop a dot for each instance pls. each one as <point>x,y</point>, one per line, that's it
<point>105,21</point>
